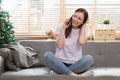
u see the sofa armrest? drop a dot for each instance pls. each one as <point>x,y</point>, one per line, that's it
<point>3,56</point>
<point>2,67</point>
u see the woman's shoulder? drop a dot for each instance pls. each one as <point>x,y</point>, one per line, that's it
<point>60,25</point>
<point>58,29</point>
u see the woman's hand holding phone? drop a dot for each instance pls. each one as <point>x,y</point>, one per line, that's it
<point>67,22</point>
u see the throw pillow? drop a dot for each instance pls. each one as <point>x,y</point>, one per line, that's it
<point>24,57</point>
<point>9,62</point>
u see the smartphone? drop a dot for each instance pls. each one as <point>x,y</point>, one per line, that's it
<point>69,21</point>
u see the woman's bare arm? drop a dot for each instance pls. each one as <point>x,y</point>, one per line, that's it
<point>82,37</point>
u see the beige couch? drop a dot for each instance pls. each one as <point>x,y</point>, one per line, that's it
<point>106,55</point>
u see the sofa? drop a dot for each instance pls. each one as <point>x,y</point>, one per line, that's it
<point>106,55</point>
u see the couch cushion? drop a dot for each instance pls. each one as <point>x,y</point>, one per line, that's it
<point>108,71</point>
<point>29,72</point>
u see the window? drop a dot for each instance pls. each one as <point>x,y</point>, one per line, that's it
<point>35,17</point>
<point>110,9</point>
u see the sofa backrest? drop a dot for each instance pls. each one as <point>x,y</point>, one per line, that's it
<point>106,54</point>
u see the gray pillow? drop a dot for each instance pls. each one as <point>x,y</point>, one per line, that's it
<point>24,57</point>
<point>9,62</point>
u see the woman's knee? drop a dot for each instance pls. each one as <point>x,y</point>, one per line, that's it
<point>47,55</point>
<point>89,58</point>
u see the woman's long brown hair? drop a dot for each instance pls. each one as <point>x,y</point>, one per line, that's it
<point>69,28</point>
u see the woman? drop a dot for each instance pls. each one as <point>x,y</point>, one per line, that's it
<point>71,36</point>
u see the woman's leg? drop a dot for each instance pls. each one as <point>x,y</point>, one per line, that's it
<point>82,65</point>
<point>55,64</point>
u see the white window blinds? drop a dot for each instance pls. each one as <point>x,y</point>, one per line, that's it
<point>33,16</point>
<point>110,9</point>
<point>38,16</point>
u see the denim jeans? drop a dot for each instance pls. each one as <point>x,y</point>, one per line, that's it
<point>59,67</point>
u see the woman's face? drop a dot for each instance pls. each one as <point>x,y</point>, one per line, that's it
<point>77,19</point>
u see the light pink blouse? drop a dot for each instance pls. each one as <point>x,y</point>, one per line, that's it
<point>72,50</point>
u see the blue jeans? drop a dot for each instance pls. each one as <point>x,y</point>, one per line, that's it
<point>59,67</point>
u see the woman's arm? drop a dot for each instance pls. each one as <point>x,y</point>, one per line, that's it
<point>82,38</point>
<point>61,36</point>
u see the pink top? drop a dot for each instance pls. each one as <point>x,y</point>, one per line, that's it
<point>72,50</point>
